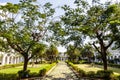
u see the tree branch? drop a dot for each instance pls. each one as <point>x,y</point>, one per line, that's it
<point>29,47</point>
<point>96,47</point>
<point>15,47</point>
<point>31,56</point>
<point>109,44</point>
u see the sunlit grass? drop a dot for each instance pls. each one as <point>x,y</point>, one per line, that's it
<point>95,68</point>
<point>35,68</point>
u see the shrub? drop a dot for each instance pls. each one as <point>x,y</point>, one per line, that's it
<point>34,74</point>
<point>82,73</point>
<point>42,72</point>
<point>82,62</point>
<point>8,76</point>
<point>118,77</point>
<point>105,74</point>
<point>91,74</point>
<point>23,74</point>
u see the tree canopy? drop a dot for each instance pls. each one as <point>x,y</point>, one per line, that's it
<point>24,25</point>
<point>98,21</point>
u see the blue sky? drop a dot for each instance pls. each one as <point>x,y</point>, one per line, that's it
<point>56,4</point>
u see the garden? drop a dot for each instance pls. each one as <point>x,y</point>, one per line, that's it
<point>15,73</point>
<point>90,71</point>
<point>88,30</point>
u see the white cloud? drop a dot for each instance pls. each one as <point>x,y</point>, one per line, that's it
<point>2,3</point>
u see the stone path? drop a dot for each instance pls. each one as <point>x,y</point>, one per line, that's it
<point>61,72</point>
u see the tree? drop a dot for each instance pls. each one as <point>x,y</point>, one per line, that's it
<point>87,52</point>
<point>39,50</point>
<point>24,25</point>
<point>94,21</point>
<point>73,53</point>
<point>52,53</point>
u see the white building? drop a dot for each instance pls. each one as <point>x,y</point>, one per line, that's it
<point>114,54</point>
<point>9,58</point>
<point>63,56</point>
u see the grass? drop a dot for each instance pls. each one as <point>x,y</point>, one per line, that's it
<point>95,68</point>
<point>36,68</point>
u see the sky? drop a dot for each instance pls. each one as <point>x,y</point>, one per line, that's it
<point>56,4</point>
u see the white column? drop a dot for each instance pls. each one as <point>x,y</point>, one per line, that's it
<point>12,61</point>
<point>8,59</point>
<point>17,60</point>
<point>3,60</point>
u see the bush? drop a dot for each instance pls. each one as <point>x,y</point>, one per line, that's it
<point>82,62</point>
<point>23,74</point>
<point>34,74</point>
<point>91,74</point>
<point>104,74</point>
<point>82,73</point>
<point>118,77</point>
<point>42,72</point>
<point>8,76</point>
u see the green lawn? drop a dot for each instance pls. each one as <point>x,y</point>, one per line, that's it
<point>36,68</point>
<point>95,68</point>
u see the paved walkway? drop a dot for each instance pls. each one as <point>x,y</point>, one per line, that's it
<point>61,72</point>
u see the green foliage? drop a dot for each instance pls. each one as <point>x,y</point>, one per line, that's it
<point>101,74</point>
<point>87,51</point>
<point>81,72</point>
<point>8,76</point>
<point>26,28</point>
<point>34,72</point>
<point>100,22</point>
<point>73,52</point>
<point>104,74</point>
<point>52,53</point>
<point>23,74</point>
<point>39,51</point>
<point>13,8</point>
<point>42,72</point>
<point>91,74</point>
<point>82,62</point>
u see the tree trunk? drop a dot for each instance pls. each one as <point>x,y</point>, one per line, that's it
<point>25,63</point>
<point>41,60</point>
<point>105,62</point>
<point>36,61</point>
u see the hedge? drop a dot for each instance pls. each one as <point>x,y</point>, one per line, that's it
<point>100,74</point>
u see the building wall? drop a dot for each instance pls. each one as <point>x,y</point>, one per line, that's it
<point>9,58</point>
